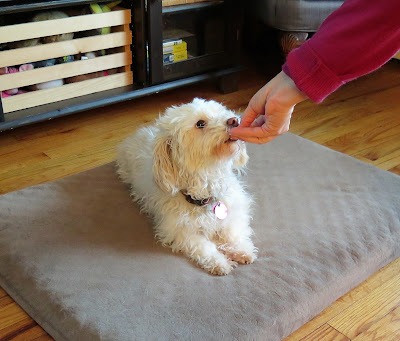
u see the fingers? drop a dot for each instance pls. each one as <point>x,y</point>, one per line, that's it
<point>259,140</point>
<point>264,130</point>
<point>241,132</point>
<point>258,134</point>
<point>248,117</point>
<point>255,108</point>
<point>258,122</point>
<point>269,111</point>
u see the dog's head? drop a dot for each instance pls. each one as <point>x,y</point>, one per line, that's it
<point>194,138</point>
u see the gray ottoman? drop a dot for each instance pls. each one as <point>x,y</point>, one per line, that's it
<point>295,18</point>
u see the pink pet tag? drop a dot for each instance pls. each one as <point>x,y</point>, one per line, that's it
<point>220,210</point>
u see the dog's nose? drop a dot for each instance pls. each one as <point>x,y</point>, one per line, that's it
<point>232,122</point>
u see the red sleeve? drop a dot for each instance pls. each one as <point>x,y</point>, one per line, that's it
<point>356,39</point>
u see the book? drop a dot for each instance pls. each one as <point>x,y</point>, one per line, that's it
<point>175,48</point>
<point>175,57</point>
<point>173,42</point>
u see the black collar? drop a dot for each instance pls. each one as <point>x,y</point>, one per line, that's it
<point>200,202</point>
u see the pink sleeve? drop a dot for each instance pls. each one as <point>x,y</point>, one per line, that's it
<point>356,39</point>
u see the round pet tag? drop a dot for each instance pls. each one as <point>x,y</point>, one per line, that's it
<point>220,210</point>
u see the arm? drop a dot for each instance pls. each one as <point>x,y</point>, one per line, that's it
<point>354,40</point>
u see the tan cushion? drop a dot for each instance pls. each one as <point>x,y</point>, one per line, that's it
<point>78,256</point>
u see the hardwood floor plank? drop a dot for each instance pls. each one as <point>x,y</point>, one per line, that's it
<point>395,170</point>
<point>5,301</point>
<point>386,329</point>
<point>352,298</point>
<point>375,143</point>
<point>22,159</point>
<point>367,84</point>
<point>327,121</point>
<point>50,170</point>
<point>325,333</point>
<point>390,160</point>
<point>316,121</point>
<point>357,318</point>
<point>379,151</point>
<point>11,314</point>
<point>32,334</point>
<point>45,337</point>
<point>23,330</point>
<point>2,293</point>
<point>346,136</point>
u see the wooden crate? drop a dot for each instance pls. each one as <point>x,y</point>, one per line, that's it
<point>121,38</point>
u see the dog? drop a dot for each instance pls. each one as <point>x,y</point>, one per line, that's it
<point>185,171</point>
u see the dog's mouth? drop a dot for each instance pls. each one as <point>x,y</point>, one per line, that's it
<point>229,140</point>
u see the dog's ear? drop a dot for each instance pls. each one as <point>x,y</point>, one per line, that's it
<point>241,158</point>
<point>165,172</point>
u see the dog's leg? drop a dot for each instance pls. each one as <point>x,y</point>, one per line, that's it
<point>235,242</point>
<point>203,252</point>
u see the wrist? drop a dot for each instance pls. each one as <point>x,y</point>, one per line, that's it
<point>296,95</point>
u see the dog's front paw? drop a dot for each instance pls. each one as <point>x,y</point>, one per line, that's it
<point>243,257</point>
<point>242,253</point>
<point>223,268</point>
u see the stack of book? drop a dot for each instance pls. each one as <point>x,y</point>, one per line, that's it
<point>174,51</point>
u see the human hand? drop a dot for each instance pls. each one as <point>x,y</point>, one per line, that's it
<point>269,111</point>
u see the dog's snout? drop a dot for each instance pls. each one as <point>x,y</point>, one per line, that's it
<point>232,122</point>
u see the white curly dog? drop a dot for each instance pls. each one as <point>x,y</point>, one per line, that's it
<point>184,171</point>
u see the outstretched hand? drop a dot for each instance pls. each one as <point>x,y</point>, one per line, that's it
<point>269,111</point>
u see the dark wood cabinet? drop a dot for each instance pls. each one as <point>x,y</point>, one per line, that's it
<point>212,31</point>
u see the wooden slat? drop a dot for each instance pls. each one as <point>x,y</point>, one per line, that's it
<point>35,98</point>
<point>77,23</point>
<point>65,48</point>
<point>20,79</point>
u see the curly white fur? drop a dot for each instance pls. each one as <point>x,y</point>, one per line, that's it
<point>174,156</point>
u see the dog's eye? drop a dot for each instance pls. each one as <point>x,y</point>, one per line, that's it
<point>201,124</point>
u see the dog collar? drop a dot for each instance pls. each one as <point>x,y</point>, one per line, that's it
<point>199,202</point>
<point>220,209</point>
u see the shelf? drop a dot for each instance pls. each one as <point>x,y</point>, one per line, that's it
<point>14,6</point>
<point>194,65</point>
<point>79,104</point>
<point>190,7</point>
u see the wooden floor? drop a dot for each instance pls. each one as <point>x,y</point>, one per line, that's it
<point>362,119</point>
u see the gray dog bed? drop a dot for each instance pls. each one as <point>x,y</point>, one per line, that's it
<point>77,255</point>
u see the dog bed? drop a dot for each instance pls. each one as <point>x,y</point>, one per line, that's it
<point>78,256</point>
